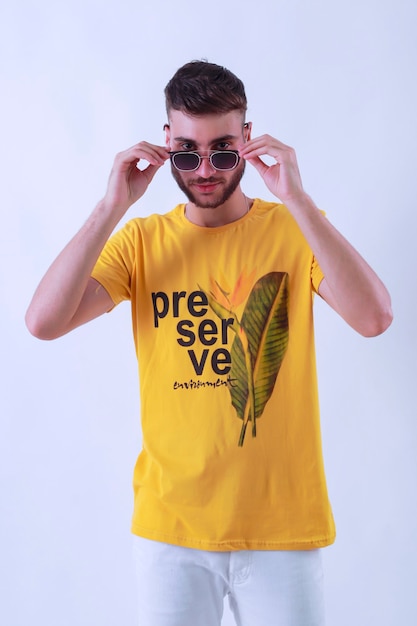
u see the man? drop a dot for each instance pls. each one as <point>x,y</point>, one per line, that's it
<point>230,492</point>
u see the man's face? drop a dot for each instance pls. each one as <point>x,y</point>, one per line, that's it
<point>207,187</point>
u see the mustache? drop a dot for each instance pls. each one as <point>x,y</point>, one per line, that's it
<point>202,181</point>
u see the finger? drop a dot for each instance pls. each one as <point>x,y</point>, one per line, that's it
<point>264,145</point>
<point>160,151</point>
<point>265,140</point>
<point>258,164</point>
<point>155,155</point>
<point>256,153</point>
<point>150,171</point>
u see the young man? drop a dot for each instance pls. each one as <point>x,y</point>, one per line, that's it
<point>230,492</point>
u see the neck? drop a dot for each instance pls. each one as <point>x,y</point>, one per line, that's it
<point>236,207</point>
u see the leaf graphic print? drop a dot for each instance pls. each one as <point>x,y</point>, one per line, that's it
<point>259,348</point>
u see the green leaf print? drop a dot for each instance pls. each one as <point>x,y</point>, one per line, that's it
<point>260,343</point>
<point>259,348</point>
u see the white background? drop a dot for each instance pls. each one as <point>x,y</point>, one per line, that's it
<point>82,80</point>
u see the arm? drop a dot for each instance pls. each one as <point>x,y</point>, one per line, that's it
<point>67,296</point>
<point>350,285</point>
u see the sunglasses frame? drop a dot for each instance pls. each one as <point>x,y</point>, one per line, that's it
<point>172,156</point>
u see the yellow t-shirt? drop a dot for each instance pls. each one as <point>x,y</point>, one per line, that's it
<point>223,328</point>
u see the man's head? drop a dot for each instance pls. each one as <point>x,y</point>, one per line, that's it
<point>206,106</point>
<point>199,88</point>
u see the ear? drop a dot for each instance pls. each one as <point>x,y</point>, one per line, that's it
<point>167,135</point>
<point>247,130</point>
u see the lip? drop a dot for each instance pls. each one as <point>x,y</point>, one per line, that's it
<point>206,187</point>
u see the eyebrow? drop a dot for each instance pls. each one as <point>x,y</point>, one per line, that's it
<point>217,140</point>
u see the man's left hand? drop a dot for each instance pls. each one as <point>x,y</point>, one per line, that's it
<point>282,177</point>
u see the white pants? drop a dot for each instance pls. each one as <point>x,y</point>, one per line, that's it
<point>186,587</point>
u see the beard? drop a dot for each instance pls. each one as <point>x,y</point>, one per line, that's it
<point>209,203</point>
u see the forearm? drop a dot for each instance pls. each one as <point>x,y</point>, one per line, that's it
<point>58,296</point>
<point>350,286</point>
<point>66,297</point>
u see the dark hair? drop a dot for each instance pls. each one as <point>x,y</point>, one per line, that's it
<point>200,87</point>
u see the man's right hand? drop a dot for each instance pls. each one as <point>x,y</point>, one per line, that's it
<point>67,296</point>
<point>127,183</point>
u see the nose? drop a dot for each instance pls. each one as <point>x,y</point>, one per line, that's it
<point>205,169</point>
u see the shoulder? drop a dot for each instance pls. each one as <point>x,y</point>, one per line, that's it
<point>272,211</point>
<point>154,221</point>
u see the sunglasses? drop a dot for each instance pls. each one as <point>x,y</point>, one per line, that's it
<point>222,160</point>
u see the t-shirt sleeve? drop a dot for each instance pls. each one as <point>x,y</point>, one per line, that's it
<point>115,265</point>
<point>316,271</point>
<point>316,275</point>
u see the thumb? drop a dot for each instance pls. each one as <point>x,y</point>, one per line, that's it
<point>149,171</point>
<point>258,164</point>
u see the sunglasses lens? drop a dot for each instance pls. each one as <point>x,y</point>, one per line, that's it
<point>224,160</point>
<point>186,161</point>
